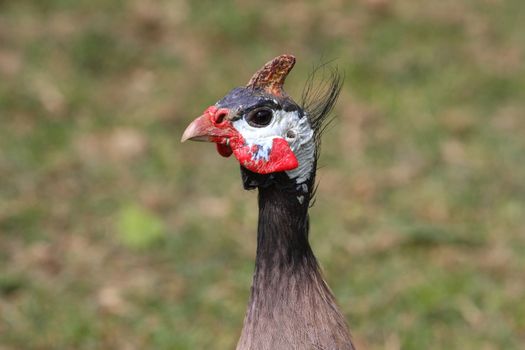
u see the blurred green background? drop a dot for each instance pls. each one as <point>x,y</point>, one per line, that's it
<point>113,235</point>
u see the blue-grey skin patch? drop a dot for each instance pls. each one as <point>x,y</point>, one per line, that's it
<point>263,152</point>
<point>241,100</point>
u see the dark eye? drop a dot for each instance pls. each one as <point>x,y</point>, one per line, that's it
<point>259,117</point>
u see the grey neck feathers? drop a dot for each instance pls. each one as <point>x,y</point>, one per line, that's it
<point>290,307</point>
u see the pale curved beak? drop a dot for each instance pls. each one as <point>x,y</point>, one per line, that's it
<point>211,126</point>
<point>201,129</point>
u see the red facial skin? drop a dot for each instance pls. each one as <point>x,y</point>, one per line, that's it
<point>217,117</point>
<point>214,126</point>
<point>281,158</point>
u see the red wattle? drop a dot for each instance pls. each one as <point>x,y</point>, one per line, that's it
<point>224,150</point>
<point>281,157</point>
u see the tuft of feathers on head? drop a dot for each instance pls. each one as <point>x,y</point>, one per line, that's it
<point>320,94</point>
<point>319,97</point>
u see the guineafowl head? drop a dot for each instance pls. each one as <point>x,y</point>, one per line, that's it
<point>275,139</point>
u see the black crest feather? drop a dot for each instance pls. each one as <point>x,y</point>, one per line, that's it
<point>320,94</point>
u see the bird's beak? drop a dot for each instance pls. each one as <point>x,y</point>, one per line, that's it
<point>210,127</point>
<point>199,130</point>
<point>213,126</point>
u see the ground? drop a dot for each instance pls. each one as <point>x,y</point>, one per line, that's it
<point>113,235</point>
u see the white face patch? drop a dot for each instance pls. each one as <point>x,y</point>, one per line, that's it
<point>289,126</point>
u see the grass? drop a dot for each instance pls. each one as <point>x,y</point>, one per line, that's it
<point>420,217</point>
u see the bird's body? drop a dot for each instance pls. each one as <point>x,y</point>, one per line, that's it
<point>290,307</point>
<point>277,143</point>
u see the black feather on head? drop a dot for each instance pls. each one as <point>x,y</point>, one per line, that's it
<point>319,97</point>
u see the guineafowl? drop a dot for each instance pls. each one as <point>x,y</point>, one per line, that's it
<point>276,142</point>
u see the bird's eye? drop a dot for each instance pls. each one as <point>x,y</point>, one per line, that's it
<point>259,117</point>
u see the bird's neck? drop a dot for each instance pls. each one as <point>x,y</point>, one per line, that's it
<point>282,233</point>
<point>290,307</point>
